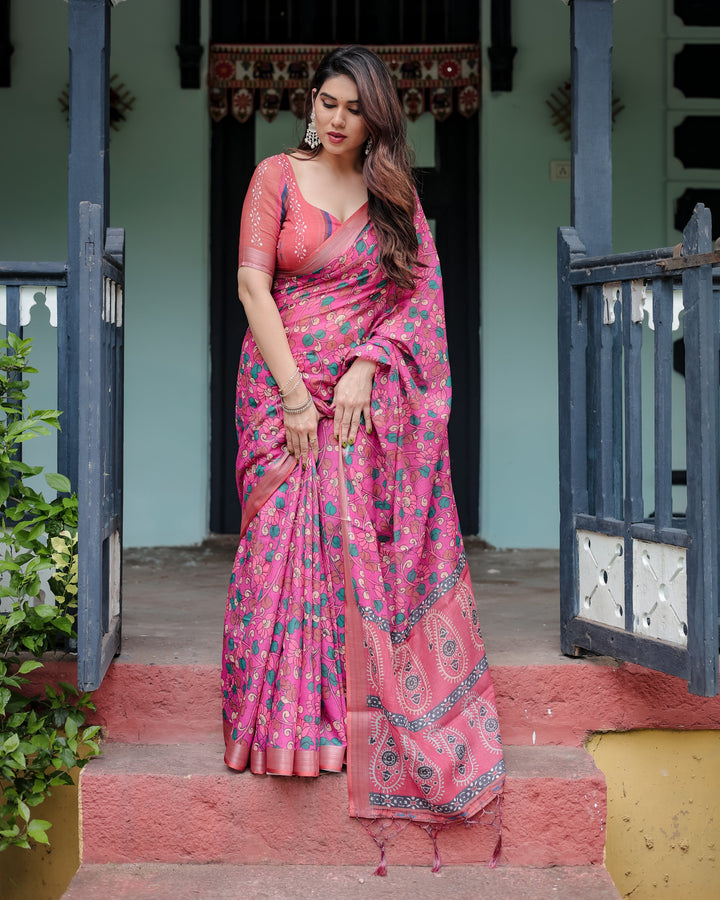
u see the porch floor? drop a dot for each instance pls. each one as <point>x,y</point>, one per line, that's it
<point>174,603</point>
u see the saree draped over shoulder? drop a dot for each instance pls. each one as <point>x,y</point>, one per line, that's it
<point>351,622</point>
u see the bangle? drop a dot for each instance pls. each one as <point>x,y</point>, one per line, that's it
<point>286,388</point>
<point>296,410</point>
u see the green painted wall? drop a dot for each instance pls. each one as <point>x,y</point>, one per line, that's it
<point>159,193</point>
<point>521,209</point>
<point>160,178</point>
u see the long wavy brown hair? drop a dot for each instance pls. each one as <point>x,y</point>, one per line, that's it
<point>386,168</point>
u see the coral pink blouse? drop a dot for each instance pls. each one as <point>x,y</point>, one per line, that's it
<point>279,229</point>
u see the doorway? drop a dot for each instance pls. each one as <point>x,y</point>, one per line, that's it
<point>449,191</point>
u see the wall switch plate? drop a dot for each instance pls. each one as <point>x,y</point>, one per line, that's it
<point>560,170</point>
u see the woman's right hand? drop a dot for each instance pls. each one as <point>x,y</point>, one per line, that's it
<point>301,429</point>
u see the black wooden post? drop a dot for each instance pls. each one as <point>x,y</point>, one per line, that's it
<point>190,48</point>
<point>88,180</point>
<point>501,51</point>
<point>701,379</point>
<point>591,76</point>
<point>572,345</point>
<point>6,47</point>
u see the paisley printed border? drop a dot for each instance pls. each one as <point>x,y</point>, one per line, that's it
<point>401,721</point>
<point>458,803</point>
<point>432,598</point>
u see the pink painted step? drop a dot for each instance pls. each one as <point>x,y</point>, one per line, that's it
<point>228,882</point>
<point>179,804</point>
<point>546,705</point>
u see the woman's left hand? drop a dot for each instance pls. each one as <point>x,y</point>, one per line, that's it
<point>352,400</point>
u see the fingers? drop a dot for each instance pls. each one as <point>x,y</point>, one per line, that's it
<point>342,425</point>
<point>301,437</point>
<point>302,446</point>
<point>367,416</point>
<point>348,420</point>
<point>314,446</point>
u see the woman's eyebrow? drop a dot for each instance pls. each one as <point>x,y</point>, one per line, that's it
<point>330,97</point>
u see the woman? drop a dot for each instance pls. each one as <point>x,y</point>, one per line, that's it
<point>351,621</point>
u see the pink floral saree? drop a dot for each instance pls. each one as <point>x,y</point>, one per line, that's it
<point>351,621</point>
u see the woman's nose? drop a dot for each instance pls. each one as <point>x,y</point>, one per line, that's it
<point>338,116</point>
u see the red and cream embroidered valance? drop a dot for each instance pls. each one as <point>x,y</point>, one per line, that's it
<point>433,78</point>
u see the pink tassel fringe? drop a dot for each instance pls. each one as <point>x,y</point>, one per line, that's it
<point>382,868</point>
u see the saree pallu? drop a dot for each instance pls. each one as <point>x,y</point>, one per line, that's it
<point>351,621</point>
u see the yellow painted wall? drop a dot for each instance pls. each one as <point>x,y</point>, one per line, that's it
<point>663,829</point>
<point>44,872</point>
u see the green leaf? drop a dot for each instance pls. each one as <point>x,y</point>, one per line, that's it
<point>36,531</point>
<point>12,743</point>
<point>70,727</point>
<point>58,482</point>
<point>61,778</point>
<point>16,720</point>
<point>24,468</point>
<point>29,666</point>
<point>60,544</point>
<point>40,741</point>
<point>23,810</point>
<point>15,617</point>
<point>45,611</point>
<point>36,830</point>
<point>64,624</point>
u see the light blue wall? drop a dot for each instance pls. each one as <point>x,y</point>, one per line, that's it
<point>159,187</point>
<point>521,209</point>
<point>160,194</point>
<point>160,179</point>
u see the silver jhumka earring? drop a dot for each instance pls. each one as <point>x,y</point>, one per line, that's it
<point>312,139</point>
<point>368,146</point>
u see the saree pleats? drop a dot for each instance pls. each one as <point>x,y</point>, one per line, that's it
<point>351,620</point>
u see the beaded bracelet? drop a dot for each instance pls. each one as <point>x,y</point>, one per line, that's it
<point>296,410</point>
<point>294,380</point>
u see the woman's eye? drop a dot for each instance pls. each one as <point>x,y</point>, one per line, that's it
<point>328,105</point>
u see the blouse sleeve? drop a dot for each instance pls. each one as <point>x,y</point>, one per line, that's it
<point>262,217</point>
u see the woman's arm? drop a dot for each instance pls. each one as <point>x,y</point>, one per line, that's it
<point>269,334</point>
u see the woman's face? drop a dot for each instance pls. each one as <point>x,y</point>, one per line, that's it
<point>340,126</point>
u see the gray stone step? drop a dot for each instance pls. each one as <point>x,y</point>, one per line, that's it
<point>230,882</point>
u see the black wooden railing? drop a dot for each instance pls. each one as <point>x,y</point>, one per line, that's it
<point>90,443</point>
<point>643,588</point>
<point>89,341</point>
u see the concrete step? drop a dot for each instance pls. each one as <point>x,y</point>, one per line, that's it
<point>228,882</point>
<point>180,804</point>
<point>180,703</point>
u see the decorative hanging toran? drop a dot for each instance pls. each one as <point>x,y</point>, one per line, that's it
<point>429,77</point>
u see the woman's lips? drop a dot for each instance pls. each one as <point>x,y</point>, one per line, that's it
<point>335,137</point>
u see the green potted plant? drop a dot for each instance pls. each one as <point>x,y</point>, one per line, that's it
<point>42,736</point>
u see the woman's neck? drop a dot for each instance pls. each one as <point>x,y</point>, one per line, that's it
<point>341,163</point>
